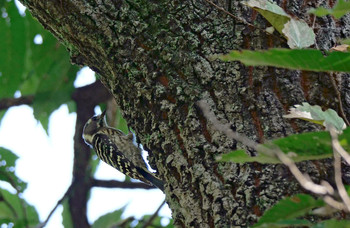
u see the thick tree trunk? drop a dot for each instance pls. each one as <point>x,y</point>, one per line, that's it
<point>154,58</point>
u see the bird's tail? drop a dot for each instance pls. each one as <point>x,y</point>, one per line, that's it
<point>151,178</point>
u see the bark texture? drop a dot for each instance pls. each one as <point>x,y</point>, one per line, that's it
<point>154,58</point>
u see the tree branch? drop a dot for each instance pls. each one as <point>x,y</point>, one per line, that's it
<point>150,220</point>
<point>119,184</point>
<point>86,98</point>
<point>43,224</point>
<point>6,103</point>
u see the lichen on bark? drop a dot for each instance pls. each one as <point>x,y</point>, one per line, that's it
<point>154,58</point>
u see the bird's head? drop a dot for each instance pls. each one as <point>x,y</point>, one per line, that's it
<point>92,126</point>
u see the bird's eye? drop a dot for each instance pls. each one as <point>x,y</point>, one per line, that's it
<point>94,118</point>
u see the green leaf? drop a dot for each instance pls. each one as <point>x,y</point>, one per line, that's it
<point>121,123</point>
<point>240,156</point>
<point>345,41</point>
<point>109,219</point>
<point>156,222</point>
<point>13,43</point>
<point>308,59</point>
<point>340,9</point>
<point>314,113</point>
<point>66,215</point>
<point>333,223</point>
<point>43,70</point>
<point>7,170</point>
<point>56,74</point>
<point>289,208</point>
<point>299,34</point>
<point>2,113</point>
<point>287,223</point>
<point>297,31</point>
<point>272,12</point>
<point>16,210</point>
<point>299,147</point>
<point>306,146</point>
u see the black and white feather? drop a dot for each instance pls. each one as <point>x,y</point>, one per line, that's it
<point>118,150</point>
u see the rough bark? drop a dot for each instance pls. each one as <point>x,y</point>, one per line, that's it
<point>153,57</point>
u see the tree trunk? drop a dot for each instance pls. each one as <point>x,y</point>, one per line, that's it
<point>154,57</point>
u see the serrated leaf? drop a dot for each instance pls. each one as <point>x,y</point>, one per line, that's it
<point>299,147</point>
<point>109,219</point>
<point>299,34</point>
<point>7,170</point>
<point>289,208</point>
<point>340,9</point>
<point>314,113</point>
<point>306,59</point>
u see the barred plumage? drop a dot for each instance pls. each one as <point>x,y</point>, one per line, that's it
<point>117,149</point>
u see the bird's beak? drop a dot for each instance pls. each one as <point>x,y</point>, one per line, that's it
<point>103,114</point>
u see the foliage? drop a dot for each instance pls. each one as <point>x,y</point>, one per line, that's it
<point>341,8</point>
<point>7,170</point>
<point>286,210</point>
<point>44,70</point>
<point>13,209</point>
<point>296,31</point>
<point>109,220</point>
<point>308,59</point>
<point>66,216</point>
<point>300,147</point>
<point>314,113</point>
<point>31,67</point>
<point>40,69</point>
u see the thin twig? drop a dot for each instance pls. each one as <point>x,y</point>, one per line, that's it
<point>59,202</point>
<point>119,184</point>
<point>338,148</point>
<point>242,20</point>
<point>304,181</point>
<point>333,203</point>
<point>337,171</point>
<point>230,14</point>
<point>155,214</point>
<point>225,128</point>
<point>341,109</point>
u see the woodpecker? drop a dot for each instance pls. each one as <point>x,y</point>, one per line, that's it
<point>118,150</point>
